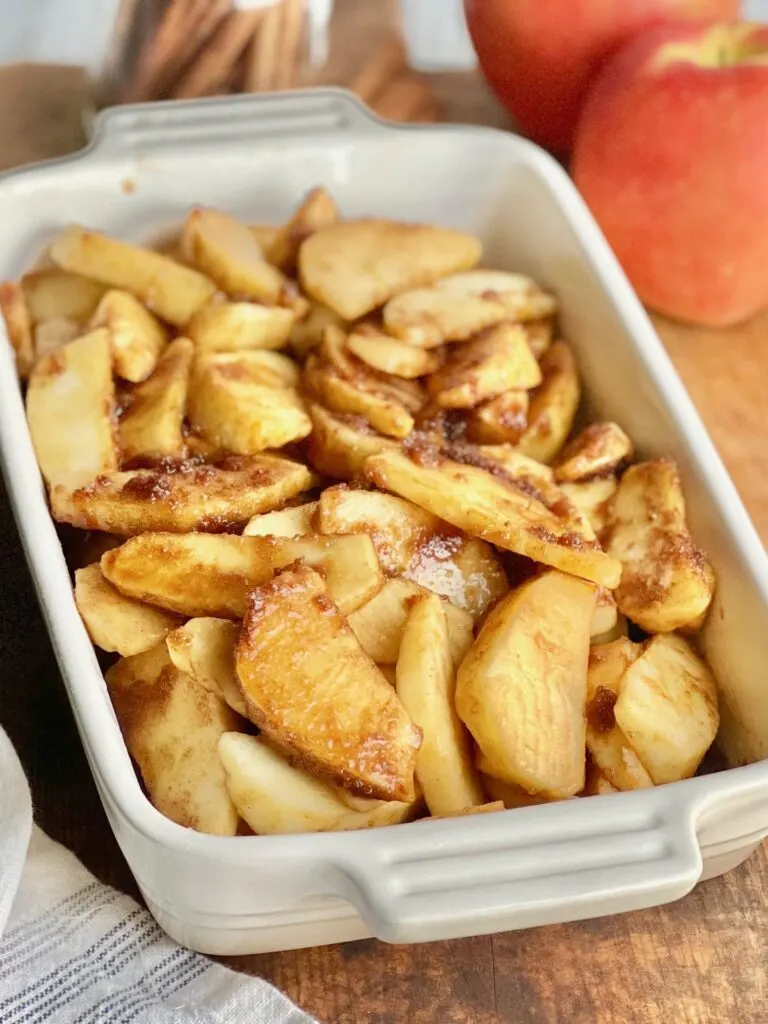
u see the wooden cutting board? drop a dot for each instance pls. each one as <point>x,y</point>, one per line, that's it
<point>703,960</point>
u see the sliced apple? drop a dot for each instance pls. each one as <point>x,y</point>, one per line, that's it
<point>553,405</point>
<point>234,326</point>
<point>136,337</point>
<point>199,574</point>
<point>667,582</point>
<point>181,496</point>
<point>599,449</point>
<point>70,410</point>
<point>357,265</point>
<point>523,300</point>
<point>429,317</point>
<point>223,248</point>
<point>116,622</point>
<point>172,728</point>
<point>294,521</point>
<point>426,683</point>
<point>494,362</point>
<point>167,288</point>
<point>204,648</point>
<point>312,689</point>
<point>152,423</point>
<point>499,512</point>
<point>606,742</point>
<point>276,798</point>
<point>380,622</point>
<point>417,545</point>
<point>521,690</point>
<point>668,708</point>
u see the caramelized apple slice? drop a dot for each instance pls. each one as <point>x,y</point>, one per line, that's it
<point>667,582</point>
<point>606,742</point>
<point>199,574</point>
<point>181,496</point>
<point>316,694</point>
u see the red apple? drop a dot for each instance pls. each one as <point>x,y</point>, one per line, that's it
<point>539,55</point>
<point>672,157</point>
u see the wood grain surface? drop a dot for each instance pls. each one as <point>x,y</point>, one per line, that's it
<point>702,960</point>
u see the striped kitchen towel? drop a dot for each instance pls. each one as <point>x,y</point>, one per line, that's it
<point>74,951</point>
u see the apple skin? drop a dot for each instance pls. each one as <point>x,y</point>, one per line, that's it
<point>539,55</point>
<point>673,163</point>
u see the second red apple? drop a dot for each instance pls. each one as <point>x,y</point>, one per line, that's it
<point>539,55</point>
<point>672,157</point>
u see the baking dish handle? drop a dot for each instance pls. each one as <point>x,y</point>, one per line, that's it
<point>154,127</point>
<point>522,868</point>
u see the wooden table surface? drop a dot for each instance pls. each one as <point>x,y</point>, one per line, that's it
<point>703,960</point>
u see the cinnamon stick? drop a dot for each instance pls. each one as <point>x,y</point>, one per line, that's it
<point>291,38</point>
<point>263,58</point>
<point>184,29</point>
<point>216,61</point>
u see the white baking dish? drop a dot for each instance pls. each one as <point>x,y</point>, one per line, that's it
<point>446,878</point>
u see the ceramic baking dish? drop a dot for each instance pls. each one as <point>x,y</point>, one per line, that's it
<point>445,878</point>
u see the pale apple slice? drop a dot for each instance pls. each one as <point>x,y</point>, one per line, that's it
<point>606,743</point>
<point>223,248</point>
<point>152,424</point>
<point>593,500</point>
<point>18,325</point>
<point>339,444</point>
<point>429,317</point>
<point>494,362</point>
<point>204,648</point>
<point>115,622</point>
<point>234,404</point>
<point>357,265</point>
<point>276,798</point>
<point>54,293</point>
<point>199,574</point>
<point>232,326</point>
<point>599,449</point>
<point>510,795</point>
<point>316,694</point>
<point>295,521</point>
<point>167,288</point>
<point>70,411</point>
<point>596,783</point>
<point>136,337</point>
<point>384,413</point>
<point>307,333</point>
<point>668,708</point>
<point>171,727</point>
<point>317,210</point>
<point>553,405</point>
<point>606,613</point>
<point>521,690</point>
<point>426,683</point>
<point>667,582</point>
<point>521,297</point>
<point>500,420</point>
<point>380,622</point>
<point>387,355</point>
<point>50,335</point>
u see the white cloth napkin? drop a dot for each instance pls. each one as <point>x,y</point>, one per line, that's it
<point>74,951</point>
